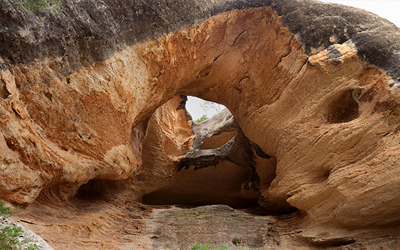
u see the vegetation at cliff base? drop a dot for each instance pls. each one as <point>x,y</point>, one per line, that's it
<point>40,5</point>
<point>199,246</point>
<point>12,237</point>
<point>32,5</point>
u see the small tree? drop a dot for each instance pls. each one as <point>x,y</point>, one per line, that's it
<point>201,119</point>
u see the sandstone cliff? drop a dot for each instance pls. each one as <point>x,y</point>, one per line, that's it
<point>92,108</point>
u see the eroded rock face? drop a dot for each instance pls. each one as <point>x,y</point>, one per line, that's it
<point>169,138</point>
<point>316,103</point>
<point>219,174</point>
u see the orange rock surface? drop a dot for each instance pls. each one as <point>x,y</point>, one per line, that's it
<point>316,132</point>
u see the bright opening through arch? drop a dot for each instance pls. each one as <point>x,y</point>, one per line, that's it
<point>198,107</point>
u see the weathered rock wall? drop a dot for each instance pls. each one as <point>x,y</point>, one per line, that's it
<point>314,86</point>
<point>168,138</point>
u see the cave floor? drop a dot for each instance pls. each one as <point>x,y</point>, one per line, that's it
<point>216,225</point>
<point>112,224</point>
<point>115,223</point>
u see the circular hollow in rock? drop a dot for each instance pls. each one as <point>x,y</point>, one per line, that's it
<point>343,109</point>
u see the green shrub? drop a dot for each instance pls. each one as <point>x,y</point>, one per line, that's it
<point>10,235</point>
<point>40,5</point>
<point>5,210</point>
<point>201,119</point>
<point>199,246</point>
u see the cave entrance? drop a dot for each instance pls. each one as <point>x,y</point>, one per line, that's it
<point>220,184</point>
<point>218,168</point>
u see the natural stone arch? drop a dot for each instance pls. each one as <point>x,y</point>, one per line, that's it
<point>80,111</point>
<point>278,70</point>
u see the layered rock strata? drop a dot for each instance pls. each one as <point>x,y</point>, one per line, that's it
<point>314,90</point>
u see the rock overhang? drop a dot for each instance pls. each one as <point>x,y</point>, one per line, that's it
<point>142,21</point>
<point>305,95</point>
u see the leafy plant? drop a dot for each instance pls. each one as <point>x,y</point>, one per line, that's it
<point>32,247</point>
<point>5,210</point>
<point>10,236</point>
<point>236,241</point>
<point>199,246</point>
<point>40,5</point>
<point>201,119</point>
<point>6,3</point>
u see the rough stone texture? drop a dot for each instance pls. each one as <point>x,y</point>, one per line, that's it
<point>102,220</point>
<point>218,175</point>
<point>182,228</point>
<point>169,138</point>
<point>87,31</point>
<point>313,88</point>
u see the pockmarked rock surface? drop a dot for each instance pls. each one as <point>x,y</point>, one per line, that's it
<point>92,114</point>
<point>181,228</point>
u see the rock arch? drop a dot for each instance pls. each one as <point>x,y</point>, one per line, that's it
<point>318,95</point>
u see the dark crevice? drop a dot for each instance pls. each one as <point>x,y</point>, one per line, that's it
<point>137,136</point>
<point>259,151</point>
<point>182,105</point>
<point>329,243</point>
<point>343,109</point>
<point>205,72</point>
<point>49,96</point>
<point>166,197</point>
<point>3,90</point>
<point>216,58</point>
<point>98,190</point>
<point>244,78</point>
<point>238,36</point>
